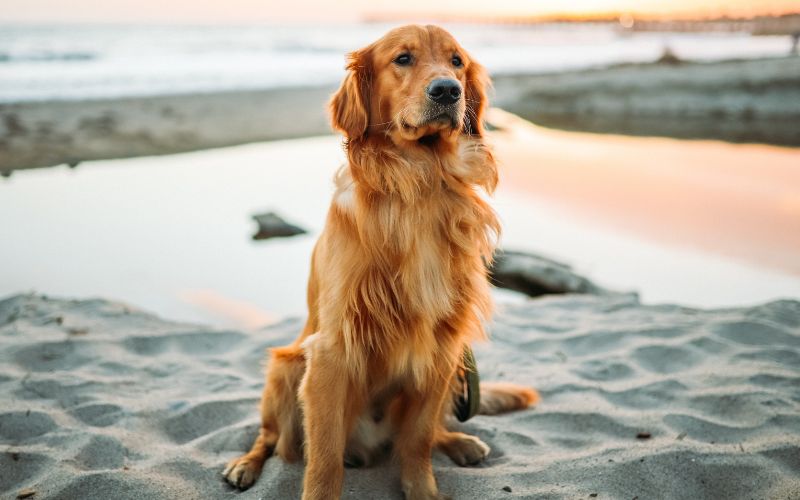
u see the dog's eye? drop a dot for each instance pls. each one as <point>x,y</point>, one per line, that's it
<point>403,59</point>
<point>457,62</point>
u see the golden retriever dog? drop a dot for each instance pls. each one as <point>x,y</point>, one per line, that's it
<point>398,285</point>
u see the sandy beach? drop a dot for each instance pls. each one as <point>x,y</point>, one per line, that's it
<point>737,101</point>
<point>40,134</point>
<point>638,402</point>
<point>135,308</point>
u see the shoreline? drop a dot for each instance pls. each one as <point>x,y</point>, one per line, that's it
<point>50,133</point>
<point>738,101</point>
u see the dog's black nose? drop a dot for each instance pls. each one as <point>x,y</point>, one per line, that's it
<point>444,91</point>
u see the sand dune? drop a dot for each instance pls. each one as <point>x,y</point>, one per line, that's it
<point>101,400</point>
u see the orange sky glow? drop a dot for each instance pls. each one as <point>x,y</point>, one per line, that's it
<point>352,10</point>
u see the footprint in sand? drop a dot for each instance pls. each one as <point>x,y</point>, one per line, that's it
<point>603,370</point>
<point>204,418</point>
<point>51,356</point>
<point>19,468</point>
<point>195,343</point>
<point>101,452</point>
<point>19,426</point>
<point>755,333</point>
<point>98,415</point>
<point>666,359</point>
<point>653,395</point>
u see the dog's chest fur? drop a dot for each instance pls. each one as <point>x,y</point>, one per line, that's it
<point>413,243</point>
<point>421,264</point>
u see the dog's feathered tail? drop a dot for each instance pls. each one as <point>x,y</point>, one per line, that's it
<point>502,397</point>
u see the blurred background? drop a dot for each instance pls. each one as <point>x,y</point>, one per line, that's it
<point>652,145</point>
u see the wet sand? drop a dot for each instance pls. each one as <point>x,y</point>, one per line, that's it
<point>41,134</point>
<point>742,201</point>
<point>739,101</point>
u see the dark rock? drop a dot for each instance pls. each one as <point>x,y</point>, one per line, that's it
<point>271,225</point>
<point>507,488</point>
<point>534,275</point>
<point>669,57</point>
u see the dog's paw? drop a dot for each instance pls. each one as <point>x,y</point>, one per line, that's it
<point>464,449</point>
<point>242,472</point>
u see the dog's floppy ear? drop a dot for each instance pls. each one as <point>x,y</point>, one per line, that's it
<point>349,106</point>
<point>478,83</point>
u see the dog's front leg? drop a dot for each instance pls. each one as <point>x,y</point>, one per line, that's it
<point>329,408</point>
<point>418,423</point>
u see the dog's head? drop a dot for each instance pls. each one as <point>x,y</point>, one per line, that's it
<point>415,83</point>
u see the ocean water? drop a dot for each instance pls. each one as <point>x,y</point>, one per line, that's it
<point>40,62</point>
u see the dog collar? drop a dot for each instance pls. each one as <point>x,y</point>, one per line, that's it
<point>468,399</point>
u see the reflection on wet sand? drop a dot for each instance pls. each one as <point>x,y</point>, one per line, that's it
<point>741,201</point>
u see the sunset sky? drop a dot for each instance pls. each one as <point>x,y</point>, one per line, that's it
<point>348,10</point>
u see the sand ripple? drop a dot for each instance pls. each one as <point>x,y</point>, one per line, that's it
<point>101,400</point>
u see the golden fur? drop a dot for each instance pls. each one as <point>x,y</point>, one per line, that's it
<point>398,284</point>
